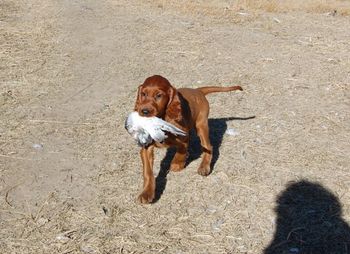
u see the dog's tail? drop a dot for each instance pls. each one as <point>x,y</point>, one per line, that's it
<point>215,89</point>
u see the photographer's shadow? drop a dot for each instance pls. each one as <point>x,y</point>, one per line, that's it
<point>217,129</point>
<point>309,221</point>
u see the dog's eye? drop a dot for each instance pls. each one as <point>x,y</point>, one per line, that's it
<point>143,94</point>
<point>158,96</point>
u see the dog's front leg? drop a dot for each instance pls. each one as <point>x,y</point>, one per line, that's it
<point>179,160</point>
<point>149,187</point>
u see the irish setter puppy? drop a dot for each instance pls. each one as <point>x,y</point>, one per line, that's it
<point>186,109</point>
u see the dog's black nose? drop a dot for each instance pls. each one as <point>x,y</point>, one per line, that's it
<point>145,111</point>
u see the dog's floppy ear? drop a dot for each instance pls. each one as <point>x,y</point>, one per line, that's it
<point>138,99</point>
<point>173,110</point>
<point>171,94</point>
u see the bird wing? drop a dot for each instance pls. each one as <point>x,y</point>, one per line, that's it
<point>173,129</point>
<point>145,128</point>
<point>153,126</point>
<point>165,126</point>
<point>159,126</point>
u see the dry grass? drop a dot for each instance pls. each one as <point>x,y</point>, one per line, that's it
<point>312,6</point>
<point>77,194</point>
<point>26,49</point>
<point>223,8</point>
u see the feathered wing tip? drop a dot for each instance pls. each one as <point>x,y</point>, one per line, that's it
<point>173,129</point>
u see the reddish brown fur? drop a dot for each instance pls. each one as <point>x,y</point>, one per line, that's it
<point>185,108</point>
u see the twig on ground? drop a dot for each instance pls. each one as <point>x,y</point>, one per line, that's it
<point>7,193</point>
<point>58,122</point>
<point>15,157</point>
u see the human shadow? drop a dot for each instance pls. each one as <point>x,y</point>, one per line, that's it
<point>309,221</point>
<point>217,129</point>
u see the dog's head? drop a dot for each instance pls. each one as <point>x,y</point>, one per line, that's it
<point>155,97</point>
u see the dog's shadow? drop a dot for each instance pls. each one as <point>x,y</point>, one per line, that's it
<point>217,129</point>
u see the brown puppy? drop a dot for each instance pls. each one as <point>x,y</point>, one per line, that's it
<point>185,108</point>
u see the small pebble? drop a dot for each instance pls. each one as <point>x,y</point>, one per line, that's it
<point>88,248</point>
<point>277,20</point>
<point>62,238</point>
<point>294,250</point>
<point>38,146</point>
<point>232,132</point>
<point>211,209</point>
<point>243,13</point>
<point>216,226</point>
<point>42,221</point>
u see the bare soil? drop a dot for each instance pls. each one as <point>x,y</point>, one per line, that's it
<point>70,174</point>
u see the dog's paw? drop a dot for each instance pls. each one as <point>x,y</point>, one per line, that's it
<point>176,167</point>
<point>204,170</point>
<point>146,197</point>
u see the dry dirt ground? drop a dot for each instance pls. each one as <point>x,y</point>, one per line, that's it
<point>70,174</point>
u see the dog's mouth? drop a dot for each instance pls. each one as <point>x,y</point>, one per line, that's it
<point>150,111</point>
<point>147,113</point>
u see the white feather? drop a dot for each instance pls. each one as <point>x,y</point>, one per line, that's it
<point>146,129</point>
